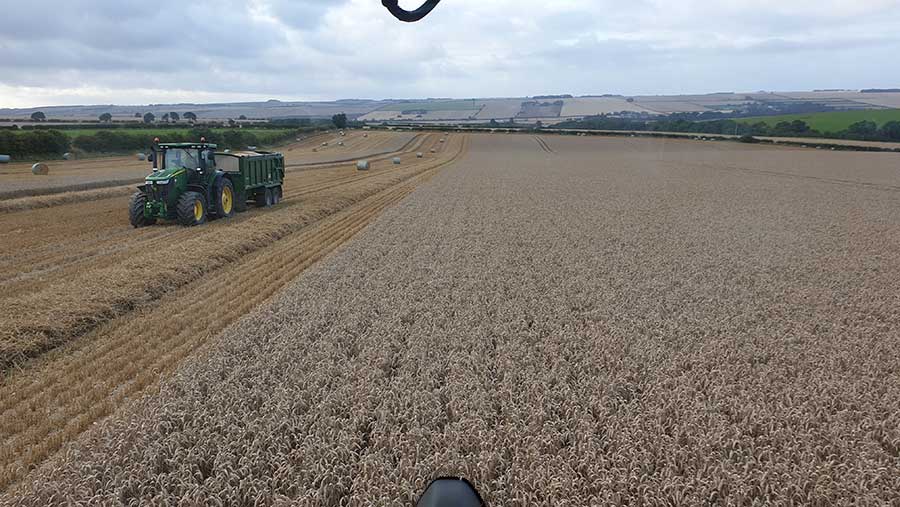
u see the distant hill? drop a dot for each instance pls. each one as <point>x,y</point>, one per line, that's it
<point>271,109</point>
<point>517,109</point>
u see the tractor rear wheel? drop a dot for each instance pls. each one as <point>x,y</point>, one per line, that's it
<point>192,209</point>
<point>224,198</point>
<point>136,211</point>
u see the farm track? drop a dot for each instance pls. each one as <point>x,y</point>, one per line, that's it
<point>543,144</point>
<point>44,258</point>
<point>89,379</point>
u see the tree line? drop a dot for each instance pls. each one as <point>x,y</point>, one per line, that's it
<point>53,142</point>
<point>146,117</point>
<point>38,142</point>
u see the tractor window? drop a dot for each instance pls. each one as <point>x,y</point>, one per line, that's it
<point>178,157</point>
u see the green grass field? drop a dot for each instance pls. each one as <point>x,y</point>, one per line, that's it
<point>831,122</point>
<point>445,105</point>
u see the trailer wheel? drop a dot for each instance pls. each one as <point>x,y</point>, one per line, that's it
<point>224,198</point>
<point>265,198</point>
<point>240,201</point>
<point>278,194</point>
<point>136,211</point>
<point>192,209</point>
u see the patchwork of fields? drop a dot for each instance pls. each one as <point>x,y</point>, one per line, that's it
<point>502,109</point>
<point>591,321</point>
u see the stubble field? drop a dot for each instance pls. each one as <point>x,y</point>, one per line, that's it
<point>563,321</point>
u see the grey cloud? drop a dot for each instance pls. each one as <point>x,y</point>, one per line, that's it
<point>296,49</point>
<point>303,15</point>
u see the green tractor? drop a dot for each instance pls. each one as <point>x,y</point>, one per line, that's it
<point>192,183</point>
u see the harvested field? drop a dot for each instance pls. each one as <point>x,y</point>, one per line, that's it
<point>355,146</point>
<point>500,109</point>
<point>607,322</point>
<point>17,181</point>
<point>52,258</point>
<point>599,105</point>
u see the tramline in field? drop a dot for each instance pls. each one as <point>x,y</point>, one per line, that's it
<point>192,183</point>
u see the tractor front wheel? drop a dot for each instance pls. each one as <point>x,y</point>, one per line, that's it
<point>136,211</point>
<point>225,198</point>
<point>192,209</point>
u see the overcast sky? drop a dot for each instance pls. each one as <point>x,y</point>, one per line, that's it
<point>135,52</point>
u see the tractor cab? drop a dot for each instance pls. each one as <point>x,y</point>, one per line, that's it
<point>196,158</point>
